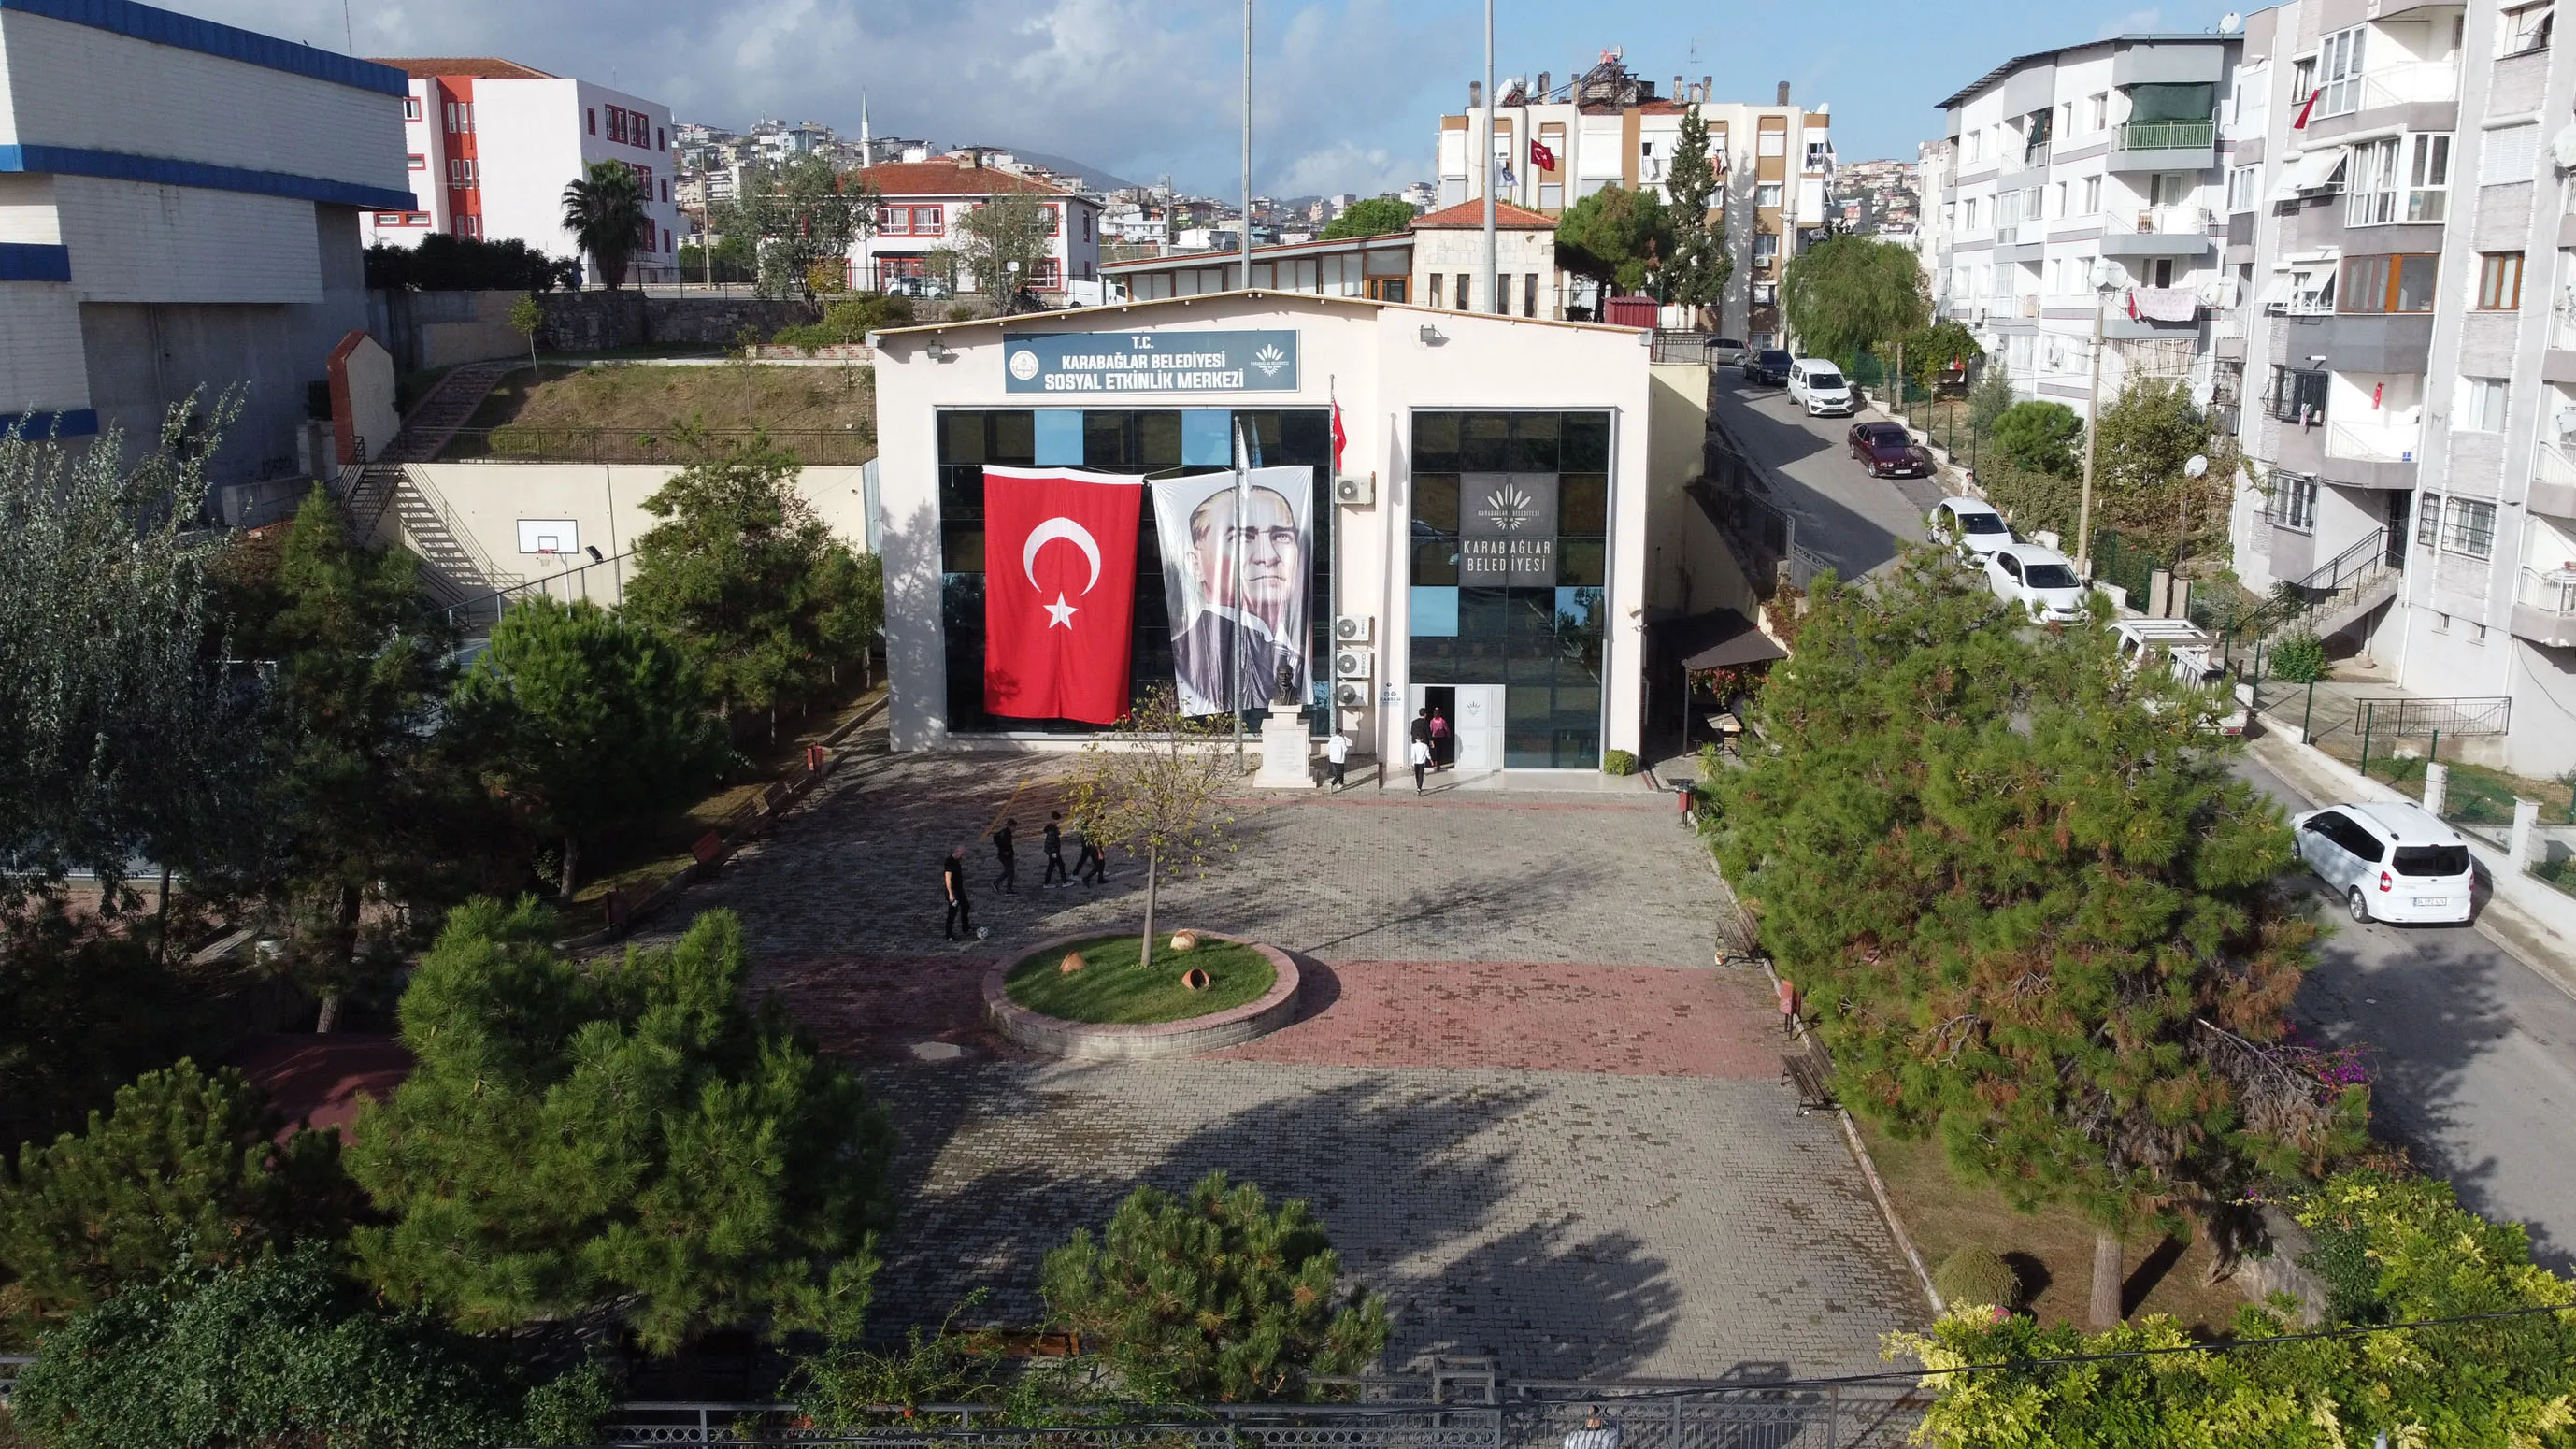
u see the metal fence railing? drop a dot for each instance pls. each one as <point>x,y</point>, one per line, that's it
<point>515,443</point>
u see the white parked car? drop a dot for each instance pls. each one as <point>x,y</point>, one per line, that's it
<point>2393,862</point>
<point>2041,579</point>
<point>2193,656</point>
<point>1818,386</point>
<point>1976,527</point>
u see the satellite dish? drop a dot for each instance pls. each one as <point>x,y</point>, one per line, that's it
<point>2562,148</point>
<point>2230,23</point>
<point>2197,465</point>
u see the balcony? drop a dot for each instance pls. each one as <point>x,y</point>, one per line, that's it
<point>2374,442</point>
<point>2165,146</point>
<point>2544,606</point>
<point>2553,483</point>
<point>2426,82</point>
<point>2161,231</point>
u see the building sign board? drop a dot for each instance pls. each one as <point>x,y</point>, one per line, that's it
<point>1507,529</point>
<point>1080,363</point>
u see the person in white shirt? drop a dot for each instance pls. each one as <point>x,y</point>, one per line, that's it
<point>1337,753</point>
<point>1418,754</point>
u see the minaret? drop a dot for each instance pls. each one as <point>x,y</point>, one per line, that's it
<point>867,143</point>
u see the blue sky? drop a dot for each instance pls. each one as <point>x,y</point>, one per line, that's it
<point>1347,92</point>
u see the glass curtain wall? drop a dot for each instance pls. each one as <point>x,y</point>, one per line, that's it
<point>1169,443</point>
<point>1510,557</point>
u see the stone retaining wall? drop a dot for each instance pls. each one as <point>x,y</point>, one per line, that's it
<point>595,321</point>
<point>1082,1040</point>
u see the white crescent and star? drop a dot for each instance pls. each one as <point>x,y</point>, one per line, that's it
<point>1060,613</point>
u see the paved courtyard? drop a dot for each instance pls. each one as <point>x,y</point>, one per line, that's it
<point>1526,1105</point>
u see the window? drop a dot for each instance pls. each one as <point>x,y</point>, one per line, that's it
<point>1529,294</point>
<point>418,161</point>
<point>411,108</point>
<point>2480,407</point>
<point>2097,112</point>
<point>2092,195</point>
<point>661,139</point>
<point>1765,245</point>
<point>1463,292</point>
<point>592,113</point>
<point>2500,281</point>
<point>2339,72</point>
<point>666,190</point>
<point>2297,395</point>
<point>467,226</point>
<point>2371,179</point>
<point>617,123</point>
<point>2525,28</point>
<point>2428,520</point>
<point>460,171</point>
<point>1767,194</point>
<point>2389,284</point>
<point>2428,177</point>
<point>1968,212</point>
<point>1820,152</point>
<point>2508,154</point>
<point>2293,504</point>
<point>1773,143</point>
<point>1436,279</point>
<point>2312,291</point>
<point>2243,185</point>
<point>2468,526</point>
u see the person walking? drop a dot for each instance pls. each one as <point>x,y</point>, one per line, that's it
<point>1596,1433</point>
<point>1418,754</point>
<point>1420,729</point>
<point>1005,852</point>
<point>1444,751</point>
<point>1090,866</point>
<point>1337,753</point>
<point>953,879</point>
<point>1054,877</point>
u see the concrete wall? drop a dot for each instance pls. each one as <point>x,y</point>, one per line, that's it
<point>1451,251</point>
<point>362,398</point>
<point>441,329</point>
<point>1689,567</point>
<point>595,321</point>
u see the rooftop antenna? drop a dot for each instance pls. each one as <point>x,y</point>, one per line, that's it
<point>348,32</point>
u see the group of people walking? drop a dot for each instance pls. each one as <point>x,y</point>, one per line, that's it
<point>1090,867</point>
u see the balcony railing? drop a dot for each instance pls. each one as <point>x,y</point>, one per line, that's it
<point>2167,135</point>
<point>2034,155</point>
<point>2556,466</point>
<point>2551,590</point>
<point>2175,219</point>
<point>2374,442</point>
<point>2411,84</point>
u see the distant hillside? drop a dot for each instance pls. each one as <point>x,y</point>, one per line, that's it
<point>1092,176</point>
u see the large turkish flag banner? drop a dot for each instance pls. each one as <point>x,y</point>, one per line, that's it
<point>1059,592</point>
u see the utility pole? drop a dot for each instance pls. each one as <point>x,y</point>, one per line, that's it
<point>1493,299</point>
<point>2092,427</point>
<point>1247,217</point>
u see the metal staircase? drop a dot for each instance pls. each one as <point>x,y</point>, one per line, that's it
<point>433,420</point>
<point>2342,591</point>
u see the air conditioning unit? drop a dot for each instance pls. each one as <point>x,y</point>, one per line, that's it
<point>1351,694</point>
<point>1354,490</point>
<point>1353,628</point>
<point>1351,663</point>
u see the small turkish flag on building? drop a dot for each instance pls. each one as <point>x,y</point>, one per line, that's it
<point>2306,108</point>
<point>1341,439</point>
<point>1059,592</point>
<point>1541,157</point>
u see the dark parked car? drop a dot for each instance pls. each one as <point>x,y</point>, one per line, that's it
<point>1770,365</point>
<point>1888,451</point>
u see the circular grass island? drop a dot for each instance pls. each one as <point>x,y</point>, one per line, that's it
<point>1114,1008</point>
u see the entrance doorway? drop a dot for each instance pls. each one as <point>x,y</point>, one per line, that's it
<point>1475,715</point>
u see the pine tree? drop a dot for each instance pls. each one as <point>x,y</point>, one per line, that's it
<point>186,1163</point>
<point>623,1135</point>
<point>2031,910</point>
<point>1215,1296</point>
<point>589,721</point>
<point>1701,265</point>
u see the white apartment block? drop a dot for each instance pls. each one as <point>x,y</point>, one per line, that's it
<point>2399,219</point>
<point>1608,128</point>
<point>492,144</point>
<point>2082,180</point>
<point>179,212</point>
<point>920,207</point>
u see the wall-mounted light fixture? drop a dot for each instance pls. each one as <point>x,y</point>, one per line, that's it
<point>1431,336</point>
<point>940,351</point>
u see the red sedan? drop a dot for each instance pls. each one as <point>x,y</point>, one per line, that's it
<point>1889,451</point>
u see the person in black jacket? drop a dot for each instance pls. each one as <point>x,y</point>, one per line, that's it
<point>1004,851</point>
<point>961,912</point>
<point>1054,875</point>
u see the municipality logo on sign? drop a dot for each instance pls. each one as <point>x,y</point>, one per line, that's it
<point>1270,359</point>
<point>1509,509</point>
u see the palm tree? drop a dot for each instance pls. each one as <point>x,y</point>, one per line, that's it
<point>604,210</point>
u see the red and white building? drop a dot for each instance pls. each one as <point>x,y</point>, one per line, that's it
<point>492,144</point>
<point>921,202</point>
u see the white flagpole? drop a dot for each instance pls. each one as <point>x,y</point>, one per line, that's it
<point>1492,104</point>
<point>1247,160</point>
<point>1234,581</point>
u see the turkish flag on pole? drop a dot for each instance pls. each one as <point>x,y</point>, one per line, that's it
<point>1541,157</point>
<point>1340,438</point>
<point>1059,592</point>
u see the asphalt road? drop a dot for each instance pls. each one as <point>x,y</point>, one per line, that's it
<point>2472,1053</point>
<point>1849,518</point>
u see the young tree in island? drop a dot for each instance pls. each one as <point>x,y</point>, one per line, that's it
<point>1701,265</point>
<point>747,581</point>
<point>1616,237</point>
<point>1215,1296</point>
<point>587,720</point>
<point>2027,905</point>
<point>1370,216</point>
<point>1847,295</point>
<point>526,319</point>
<point>999,243</point>
<point>604,210</point>
<point>579,1136</point>
<point>1151,786</point>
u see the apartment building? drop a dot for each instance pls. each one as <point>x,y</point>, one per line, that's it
<point>1554,145</point>
<point>492,143</point>
<point>923,202</point>
<point>181,203</point>
<point>2088,181</point>
<point>2398,214</point>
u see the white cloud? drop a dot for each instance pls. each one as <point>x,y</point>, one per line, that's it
<point>2136,22</point>
<point>1344,166</point>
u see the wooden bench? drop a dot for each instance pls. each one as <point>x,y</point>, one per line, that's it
<point>1803,1072</point>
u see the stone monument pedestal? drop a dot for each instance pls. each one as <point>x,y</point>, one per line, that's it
<point>1286,753</point>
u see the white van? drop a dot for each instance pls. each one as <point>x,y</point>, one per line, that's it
<point>2391,862</point>
<point>1818,386</point>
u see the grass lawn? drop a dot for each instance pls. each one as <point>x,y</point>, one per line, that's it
<point>2052,1249</point>
<point>2476,794</point>
<point>1111,990</point>
<point>824,414</point>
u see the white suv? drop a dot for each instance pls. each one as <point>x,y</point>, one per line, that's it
<point>1818,386</point>
<point>2392,862</point>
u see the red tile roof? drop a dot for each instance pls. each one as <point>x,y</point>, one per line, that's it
<point>1472,213</point>
<point>480,67</point>
<point>949,178</point>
